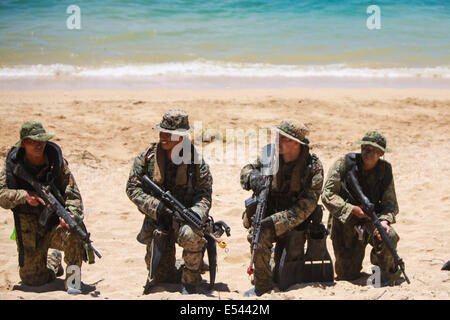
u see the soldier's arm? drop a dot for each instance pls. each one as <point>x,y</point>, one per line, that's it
<point>203,192</point>
<point>389,204</point>
<point>305,204</point>
<point>9,198</point>
<point>331,199</point>
<point>72,196</point>
<point>245,173</point>
<point>146,203</point>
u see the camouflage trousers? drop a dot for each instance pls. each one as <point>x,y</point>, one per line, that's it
<point>38,269</point>
<point>193,249</point>
<point>266,271</point>
<point>349,250</point>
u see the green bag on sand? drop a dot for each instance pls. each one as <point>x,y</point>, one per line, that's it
<point>13,235</point>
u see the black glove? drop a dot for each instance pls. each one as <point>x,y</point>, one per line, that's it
<point>267,222</point>
<point>164,214</point>
<point>256,181</point>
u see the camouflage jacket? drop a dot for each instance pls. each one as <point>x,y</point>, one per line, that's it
<point>294,197</point>
<point>170,177</point>
<point>335,200</point>
<point>65,189</point>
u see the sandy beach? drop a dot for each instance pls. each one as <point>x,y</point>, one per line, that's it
<point>101,132</point>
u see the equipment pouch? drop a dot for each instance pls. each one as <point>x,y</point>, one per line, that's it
<point>158,247</point>
<point>45,216</point>
<point>145,236</point>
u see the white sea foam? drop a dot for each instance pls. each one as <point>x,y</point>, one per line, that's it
<point>204,68</point>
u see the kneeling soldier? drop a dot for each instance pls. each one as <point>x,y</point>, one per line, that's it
<point>292,199</point>
<point>42,160</point>
<point>351,231</point>
<point>190,183</point>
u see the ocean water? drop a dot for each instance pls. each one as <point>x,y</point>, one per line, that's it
<point>282,39</point>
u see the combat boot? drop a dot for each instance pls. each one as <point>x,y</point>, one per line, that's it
<point>255,292</point>
<point>390,278</point>
<point>149,285</point>
<point>188,289</point>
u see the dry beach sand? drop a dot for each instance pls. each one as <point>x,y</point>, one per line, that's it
<point>101,132</point>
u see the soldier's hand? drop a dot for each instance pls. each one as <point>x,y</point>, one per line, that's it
<point>256,181</point>
<point>34,200</point>
<point>162,210</point>
<point>386,227</point>
<point>267,223</point>
<point>358,212</point>
<point>63,224</point>
<point>164,214</point>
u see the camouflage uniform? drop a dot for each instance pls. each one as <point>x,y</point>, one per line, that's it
<point>35,268</point>
<point>194,193</point>
<point>293,197</point>
<point>378,185</point>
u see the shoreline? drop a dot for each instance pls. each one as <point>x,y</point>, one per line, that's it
<point>137,83</point>
<point>136,96</point>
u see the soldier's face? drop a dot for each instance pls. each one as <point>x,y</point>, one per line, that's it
<point>169,141</point>
<point>34,148</point>
<point>370,155</point>
<point>287,145</point>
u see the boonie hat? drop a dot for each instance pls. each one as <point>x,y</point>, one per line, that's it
<point>294,130</point>
<point>375,139</point>
<point>174,122</point>
<point>35,131</point>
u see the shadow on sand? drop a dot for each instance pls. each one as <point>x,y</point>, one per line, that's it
<point>58,285</point>
<point>362,280</point>
<point>203,288</point>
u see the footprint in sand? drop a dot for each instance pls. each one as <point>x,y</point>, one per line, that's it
<point>242,258</point>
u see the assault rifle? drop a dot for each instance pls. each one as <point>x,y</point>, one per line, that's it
<point>359,197</point>
<point>210,230</point>
<point>53,206</point>
<point>267,171</point>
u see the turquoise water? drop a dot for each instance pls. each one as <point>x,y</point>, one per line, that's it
<point>216,38</point>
